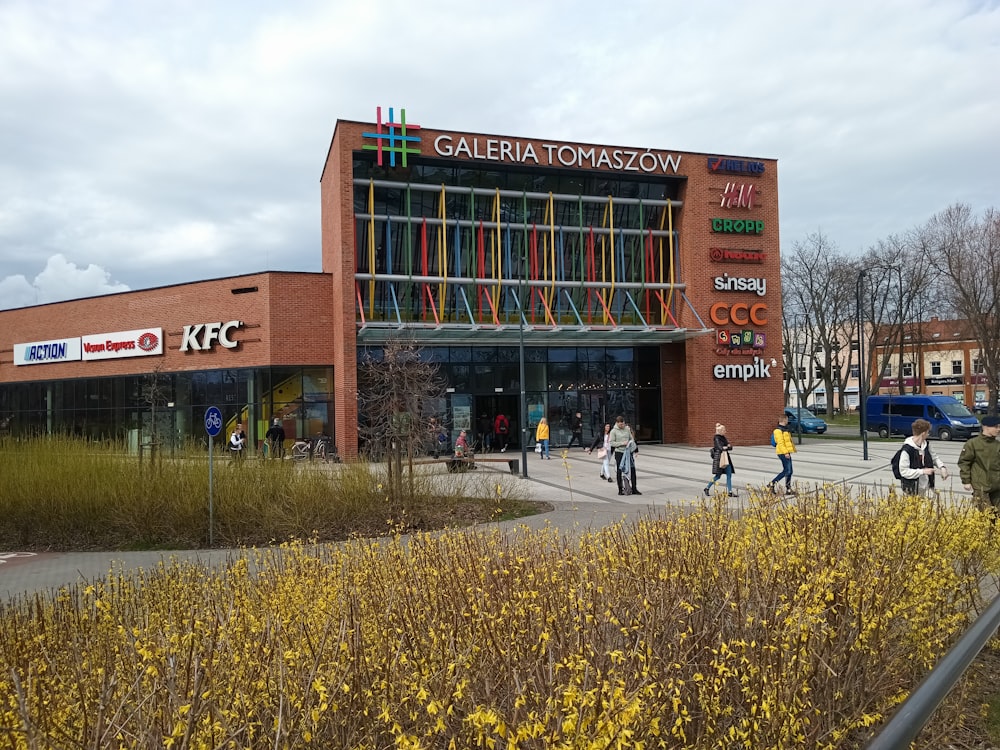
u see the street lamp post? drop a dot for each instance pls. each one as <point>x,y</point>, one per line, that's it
<point>862,375</point>
<point>520,347</point>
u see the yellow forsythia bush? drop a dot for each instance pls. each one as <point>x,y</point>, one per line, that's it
<point>798,624</point>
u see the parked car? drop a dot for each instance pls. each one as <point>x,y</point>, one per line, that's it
<point>817,408</point>
<point>980,407</point>
<point>949,418</point>
<point>810,422</point>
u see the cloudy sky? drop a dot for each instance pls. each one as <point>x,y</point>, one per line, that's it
<point>149,143</point>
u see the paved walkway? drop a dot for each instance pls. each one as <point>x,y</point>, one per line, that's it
<point>668,475</point>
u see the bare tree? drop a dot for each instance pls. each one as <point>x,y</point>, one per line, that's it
<point>817,283</point>
<point>965,251</point>
<point>155,392</point>
<point>898,290</point>
<point>396,387</point>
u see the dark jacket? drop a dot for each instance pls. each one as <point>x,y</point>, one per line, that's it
<point>720,443</point>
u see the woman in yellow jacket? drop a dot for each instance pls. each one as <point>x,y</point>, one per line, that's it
<point>784,448</point>
<point>542,438</point>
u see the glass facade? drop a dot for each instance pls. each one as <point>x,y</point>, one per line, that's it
<point>440,244</point>
<point>127,408</point>
<point>598,382</point>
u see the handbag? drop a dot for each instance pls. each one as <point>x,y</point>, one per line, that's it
<point>601,453</point>
<point>723,459</point>
<point>538,447</point>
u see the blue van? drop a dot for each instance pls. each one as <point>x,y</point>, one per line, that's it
<point>949,418</point>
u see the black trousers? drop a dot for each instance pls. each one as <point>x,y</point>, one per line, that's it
<point>618,470</point>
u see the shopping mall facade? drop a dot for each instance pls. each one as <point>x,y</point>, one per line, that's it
<point>635,281</point>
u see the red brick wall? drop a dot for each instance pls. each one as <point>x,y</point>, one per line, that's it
<point>284,325</point>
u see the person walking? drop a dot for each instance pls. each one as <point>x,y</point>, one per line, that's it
<point>486,433</point>
<point>501,431</point>
<point>621,442</point>
<point>781,439</point>
<point>275,437</point>
<point>722,462</point>
<point>916,463</point>
<point>979,466</point>
<point>237,443</point>
<point>542,438</point>
<point>576,427</point>
<point>603,445</point>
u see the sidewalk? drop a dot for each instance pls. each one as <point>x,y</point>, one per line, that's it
<point>667,476</point>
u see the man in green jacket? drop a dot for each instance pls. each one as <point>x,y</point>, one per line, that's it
<point>979,465</point>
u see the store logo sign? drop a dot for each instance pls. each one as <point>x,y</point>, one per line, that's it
<point>47,352</point>
<point>741,314</point>
<point>727,283</point>
<point>738,195</point>
<point>735,166</point>
<point>724,255</point>
<point>204,336</point>
<point>757,369</point>
<point>738,226</point>
<point>392,137</point>
<point>746,341</point>
<point>141,343</point>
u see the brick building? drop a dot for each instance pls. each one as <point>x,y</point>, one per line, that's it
<point>639,281</point>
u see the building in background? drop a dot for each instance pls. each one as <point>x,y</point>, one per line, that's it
<point>640,281</point>
<point>937,357</point>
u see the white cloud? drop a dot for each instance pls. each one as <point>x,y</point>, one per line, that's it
<point>59,280</point>
<point>183,140</point>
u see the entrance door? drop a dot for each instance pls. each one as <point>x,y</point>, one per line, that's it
<point>509,405</point>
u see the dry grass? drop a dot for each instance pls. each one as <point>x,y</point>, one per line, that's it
<point>65,494</point>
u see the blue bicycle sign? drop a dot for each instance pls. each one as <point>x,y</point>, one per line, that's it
<point>213,421</point>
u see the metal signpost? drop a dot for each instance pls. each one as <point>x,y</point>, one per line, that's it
<point>213,426</point>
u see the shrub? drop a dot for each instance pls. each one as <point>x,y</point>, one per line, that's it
<point>795,625</point>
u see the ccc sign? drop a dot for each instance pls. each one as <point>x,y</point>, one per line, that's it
<point>740,314</point>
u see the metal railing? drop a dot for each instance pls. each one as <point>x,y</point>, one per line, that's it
<point>910,718</point>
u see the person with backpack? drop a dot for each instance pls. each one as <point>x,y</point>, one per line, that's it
<point>722,463</point>
<point>501,430</point>
<point>914,464</point>
<point>979,465</point>
<point>781,439</point>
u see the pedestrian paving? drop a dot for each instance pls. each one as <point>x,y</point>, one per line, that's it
<point>669,476</point>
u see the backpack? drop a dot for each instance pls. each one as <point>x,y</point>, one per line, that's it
<point>774,443</point>
<point>895,463</point>
<point>502,425</point>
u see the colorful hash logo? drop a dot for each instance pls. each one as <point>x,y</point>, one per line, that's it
<point>391,137</point>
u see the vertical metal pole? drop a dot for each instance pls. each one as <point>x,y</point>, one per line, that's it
<point>520,347</point>
<point>862,374</point>
<point>211,514</point>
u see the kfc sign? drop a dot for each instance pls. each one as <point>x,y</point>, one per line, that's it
<point>203,336</point>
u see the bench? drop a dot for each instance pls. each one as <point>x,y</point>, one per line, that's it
<point>512,463</point>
